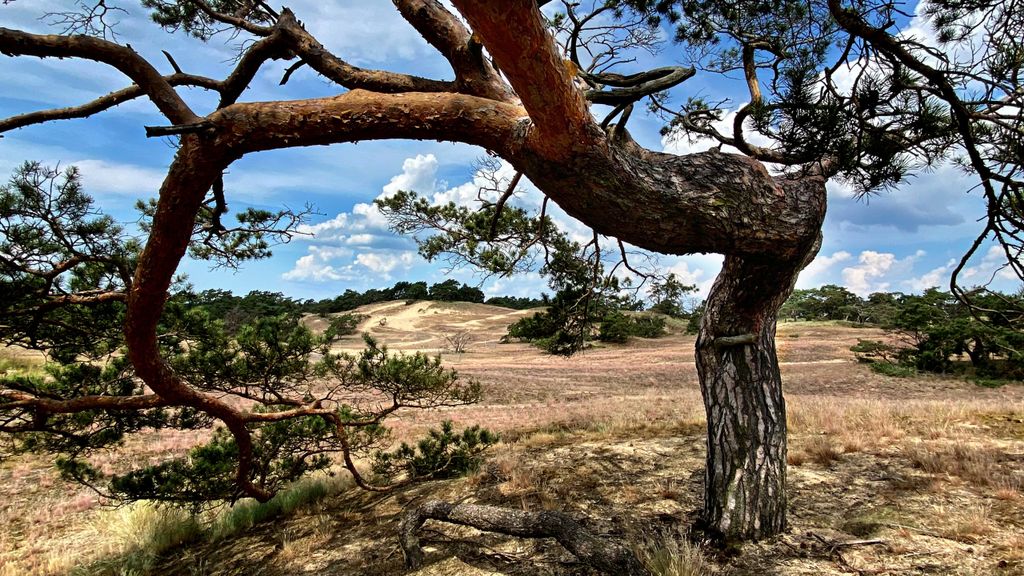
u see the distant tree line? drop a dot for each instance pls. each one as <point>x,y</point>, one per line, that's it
<point>936,332</point>
<point>446,291</point>
<point>236,311</point>
<point>931,332</point>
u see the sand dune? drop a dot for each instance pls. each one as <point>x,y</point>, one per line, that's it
<point>423,325</point>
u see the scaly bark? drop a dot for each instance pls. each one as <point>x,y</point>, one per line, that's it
<point>745,477</point>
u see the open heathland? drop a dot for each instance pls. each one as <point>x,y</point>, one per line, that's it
<point>920,475</point>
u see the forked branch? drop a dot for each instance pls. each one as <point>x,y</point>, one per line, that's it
<point>159,90</point>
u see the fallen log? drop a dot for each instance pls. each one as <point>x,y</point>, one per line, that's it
<point>604,555</point>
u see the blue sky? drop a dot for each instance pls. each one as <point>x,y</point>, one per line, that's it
<point>905,240</point>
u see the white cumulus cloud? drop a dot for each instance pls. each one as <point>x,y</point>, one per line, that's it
<point>813,274</point>
<point>934,278</point>
<point>383,263</point>
<point>419,174</point>
<point>102,177</point>
<point>316,266</point>
<point>878,271</point>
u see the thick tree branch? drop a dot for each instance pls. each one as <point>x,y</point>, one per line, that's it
<point>13,399</point>
<point>515,34</point>
<point>361,115</point>
<point>192,173</point>
<point>170,104</point>
<point>726,203</point>
<point>79,300</point>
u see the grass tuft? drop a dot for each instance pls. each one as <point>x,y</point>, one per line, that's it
<point>977,465</point>
<point>138,535</point>
<point>248,513</point>
<point>674,556</point>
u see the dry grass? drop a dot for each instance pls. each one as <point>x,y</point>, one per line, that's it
<point>821,450</point>
<point>970,524</point>
<point>18,361</point>
<point>972,462</point>
<point>675,556</point>
<point>130,540</point>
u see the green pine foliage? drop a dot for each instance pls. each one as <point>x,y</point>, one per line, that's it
<point>343,325</point>
<point>261,359</point>
<point>617,327</point>
<point>442,453</point>
<point>935,332</point>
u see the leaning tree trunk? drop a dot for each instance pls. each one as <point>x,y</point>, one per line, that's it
<point>745,478</point>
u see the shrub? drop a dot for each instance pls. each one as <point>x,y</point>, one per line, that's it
<point>615,327</point>
<point>647,326</point>
<point>529,328</point>
<point>343,325</point>
<point>457,342</point>
<point>868,351</point>
<point>894,370</point>
<point>441,454</point>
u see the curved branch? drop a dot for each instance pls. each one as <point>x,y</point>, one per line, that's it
<point>170,104</point>
<point>230,88</point>
<point>337,70</point>
<point>636,86</point>
<point>886,43</point>
<point>762,154</point>
<point>194,170</point>
<point>271,47</point>
<point>231,20</point>
<point>893,49</point>
<point>357,477</point>
<point>501,202</point>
